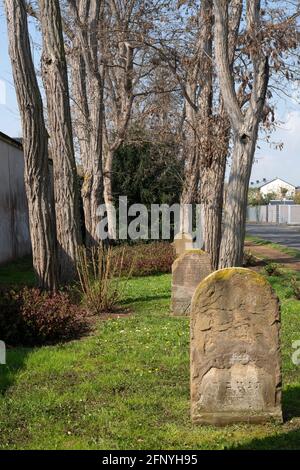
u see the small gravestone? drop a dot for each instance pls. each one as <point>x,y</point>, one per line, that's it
<point>187,271</point>
<point>235,349</point>
<point>182,243</point>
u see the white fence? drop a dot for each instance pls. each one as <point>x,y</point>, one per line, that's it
<point>2,353</point>
<point>275,214</point>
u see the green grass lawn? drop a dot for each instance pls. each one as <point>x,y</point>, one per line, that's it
<point>127,385</point>
<point>18,272</point>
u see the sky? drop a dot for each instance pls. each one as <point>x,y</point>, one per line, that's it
<point>9,114</point>
<point>269,162</point>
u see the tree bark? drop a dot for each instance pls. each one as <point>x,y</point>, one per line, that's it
<point>206,160</point>
<point>210,168</point>
<point>88,84</point>
<point>232,247</point>
<point>244,126</point>
<point>191,156</point>
<point>108,194</point>
<point>35,144</point>
<point>214,134</point>
<point>96,151</point>
<point>121,95</point>
<point>190,188</point>
<point>213,166</point>
<point>66,191</point>
<point>82,131</point>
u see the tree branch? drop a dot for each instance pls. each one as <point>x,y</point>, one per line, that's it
<point>259,60</point>
<point>224,72</point>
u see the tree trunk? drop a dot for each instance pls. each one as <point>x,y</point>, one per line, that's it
<point>214,133</point>
<point>244,124</point>
<point>108,194</point>
<point>96,154</point>
<point>191,157</point>
<point>212,187</point>
<point>82,130</point>
<point>35,144</point>
<point>189,190</point>
<point>66,191</point>
<point>232,247</point>
<point>212,156</point>
<point>88,84</point>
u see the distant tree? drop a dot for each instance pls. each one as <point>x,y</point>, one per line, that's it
<point>283,192</point>
<point>269,197</point>
<point>147,173</point>
<point>108,66</point>
<point>256,198</point>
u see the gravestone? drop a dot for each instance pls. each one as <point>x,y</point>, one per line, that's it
<point>182,243</point>
<point>235,349</point>
<point>187,271</point>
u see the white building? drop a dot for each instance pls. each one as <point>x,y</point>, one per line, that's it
<point>280,188</point>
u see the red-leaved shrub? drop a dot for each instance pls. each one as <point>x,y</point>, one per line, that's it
<point>144,259</point>
<point>30,318</point>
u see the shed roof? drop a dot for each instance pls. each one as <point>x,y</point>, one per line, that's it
<point>10,140</point>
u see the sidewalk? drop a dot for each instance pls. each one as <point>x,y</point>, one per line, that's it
<point>273,254</point>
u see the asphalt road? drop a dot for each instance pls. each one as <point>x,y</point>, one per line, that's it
<point>283,234</point>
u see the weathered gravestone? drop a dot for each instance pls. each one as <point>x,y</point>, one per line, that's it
<point>183,242</point>
<point>235,349</point>
<point>187,271</point>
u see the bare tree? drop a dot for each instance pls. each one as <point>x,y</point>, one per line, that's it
<point>119,54</point>
<point>206,133</point>
<point>66,190</point>
<point>183,50</point>
<point>35,144</point>
<point>87,71</point>
<point>214,131</point>
<point>244,125</point>
<point>104,75</point>
<point>191,148</point>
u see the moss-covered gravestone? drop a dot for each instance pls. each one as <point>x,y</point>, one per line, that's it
<point>235,349</point>
<point>187,271</point>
